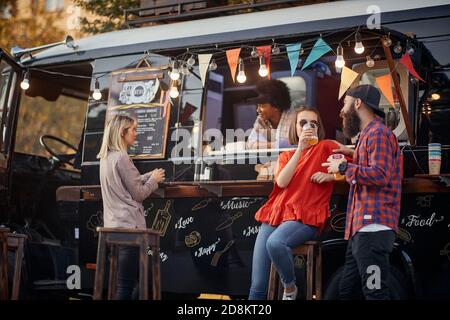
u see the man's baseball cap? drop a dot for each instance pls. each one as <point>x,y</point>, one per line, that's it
<point>369,95</point>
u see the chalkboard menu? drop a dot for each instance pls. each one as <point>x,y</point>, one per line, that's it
<point>142,93</point>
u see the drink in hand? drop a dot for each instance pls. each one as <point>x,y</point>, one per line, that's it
<point>314,140</point>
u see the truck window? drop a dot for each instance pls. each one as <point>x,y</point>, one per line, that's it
<point>51,108</point>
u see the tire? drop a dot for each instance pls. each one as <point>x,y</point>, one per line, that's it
<point>397,285</point>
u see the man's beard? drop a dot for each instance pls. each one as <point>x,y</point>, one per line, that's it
<point>352,123</point>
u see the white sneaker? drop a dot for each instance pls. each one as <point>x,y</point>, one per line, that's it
<point>290,296</point>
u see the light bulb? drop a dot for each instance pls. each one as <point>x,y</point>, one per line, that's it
<point>435,96</point>
<point>25,84</point>
<point>175,73</point>
<point>213,65</point>
<point>359,47</point>
<point>241,77</point>
<point>263,72</point>
<point>97,95</point>
<point>340,62</point>
<point>174,93</point>
<point>387,41</point>
<point>370,62</point>
<point>254,53</point>
<point>302,51</point>
<point>191,61</point>
<point>398,48</point>
<point>276,49</point>
<point>184,70</point>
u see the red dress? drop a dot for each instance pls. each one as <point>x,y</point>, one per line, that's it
<point>302,199</point>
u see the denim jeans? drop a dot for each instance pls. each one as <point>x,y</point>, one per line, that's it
<point>274,244</point>
<point>127,273</point>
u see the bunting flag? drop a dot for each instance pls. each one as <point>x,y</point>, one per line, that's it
<point>319,49</point>
<point>266,51</point>
<point>233,60</point>
<point>406,61</point>
<point>293,52</point>
<point>203,64</point>
<point>385,85</point>
<point>348,76</point>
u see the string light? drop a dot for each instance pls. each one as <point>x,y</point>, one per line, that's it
<point>370,62</point>
<point>410,49</point>
<point>175,73</point>
<point>387,41</point>
<point>241,77</point>
<point>191,61</point>
<point>185,70</point>
<point>340,62</point>
<point>398,48</point>
<point>213,65</point>
<point>359,48</point>
<point>97,95</point>
<point>263,72</point>
<point>174,93</point>
<point>275,49</point>
<point>254,53</point>
<point>25,84</point>
<point>435,96</point>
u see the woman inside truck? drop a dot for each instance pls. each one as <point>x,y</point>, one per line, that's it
<point>271,127</point>
<point>298,206</point>
<point>123,191</point>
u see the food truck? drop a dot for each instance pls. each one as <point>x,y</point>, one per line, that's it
<point>178,81</point>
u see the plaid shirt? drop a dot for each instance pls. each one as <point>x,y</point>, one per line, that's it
<point>264,132</point>
<point>375,180</point>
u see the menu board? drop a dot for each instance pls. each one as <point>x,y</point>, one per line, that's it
<point>142,93</point>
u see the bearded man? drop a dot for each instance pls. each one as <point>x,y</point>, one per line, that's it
<point>373,205</point>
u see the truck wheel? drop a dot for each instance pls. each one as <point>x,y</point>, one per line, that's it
<point>397,284</point>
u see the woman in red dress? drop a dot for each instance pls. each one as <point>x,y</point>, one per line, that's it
<point>298,206</point>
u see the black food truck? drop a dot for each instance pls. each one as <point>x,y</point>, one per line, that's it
<point>205,208</point>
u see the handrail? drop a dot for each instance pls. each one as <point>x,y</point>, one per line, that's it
<point>180,14</point>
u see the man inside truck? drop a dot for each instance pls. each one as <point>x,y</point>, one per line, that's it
<point>271,127</point>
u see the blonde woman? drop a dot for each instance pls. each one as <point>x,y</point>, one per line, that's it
<point>123,191</point>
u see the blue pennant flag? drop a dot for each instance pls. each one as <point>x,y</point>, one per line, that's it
<point>319,49</point>
<point>293,52</point>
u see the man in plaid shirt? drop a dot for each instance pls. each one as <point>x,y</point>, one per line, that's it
<point>375,189</point>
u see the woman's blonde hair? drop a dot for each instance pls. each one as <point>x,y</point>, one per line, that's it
<point>293,137</point>
<point>114,131</point>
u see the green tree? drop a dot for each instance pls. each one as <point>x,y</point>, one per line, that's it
<point>108,15</point>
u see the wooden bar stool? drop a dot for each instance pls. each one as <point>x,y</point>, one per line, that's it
<point>312,251</point>
<point>4,263</point>
<point>115,237</point>
<point>16,243</point>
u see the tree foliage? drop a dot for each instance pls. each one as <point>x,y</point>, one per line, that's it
<point>34,30</point>
<point>107,15</point>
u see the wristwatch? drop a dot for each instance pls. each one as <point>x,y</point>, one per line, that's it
<point>342,168</point>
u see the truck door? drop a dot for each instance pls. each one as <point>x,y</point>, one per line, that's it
<point>10,76</point>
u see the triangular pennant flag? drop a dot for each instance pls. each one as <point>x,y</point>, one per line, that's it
<point>203,64</point>
<point>265,50</point>
<point>348,76</point>
<point>319,49</point>
<point>385,85</point>
<point>293,52</point>
<point>233,59</point>
<point>406,61</point>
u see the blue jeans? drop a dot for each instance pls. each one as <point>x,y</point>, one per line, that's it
<point>274,244</point>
